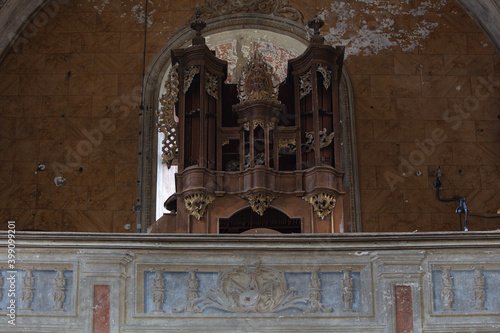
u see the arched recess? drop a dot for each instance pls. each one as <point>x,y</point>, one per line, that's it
<point>154,80</point>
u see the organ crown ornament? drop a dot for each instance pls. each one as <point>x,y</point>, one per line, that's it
<point>258,80</point>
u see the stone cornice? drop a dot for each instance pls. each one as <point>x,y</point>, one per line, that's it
<point>361,242</point>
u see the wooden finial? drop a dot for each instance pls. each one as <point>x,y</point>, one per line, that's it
<point>315,23</point>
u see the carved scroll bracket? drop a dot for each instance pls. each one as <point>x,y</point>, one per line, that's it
<point>197,203</point>
<point>323,203</point>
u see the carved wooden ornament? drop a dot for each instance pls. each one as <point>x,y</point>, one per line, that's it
<point>259,202</point>
<point>166,117</point>
<point>323,203</point>
<point>258,80</point>
<point>197,203</point>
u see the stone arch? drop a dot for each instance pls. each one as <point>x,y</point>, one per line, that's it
<point>153,87</point>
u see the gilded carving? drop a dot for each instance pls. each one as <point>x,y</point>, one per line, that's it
<point>166,117</point>
<point>27,295</point>
<point>479,290</point>
<point>189,75</point>
<point>211,85</point>
<point>286,143</point>
<point>225,142</point>
<point>323,203</point>
<point>327,75</point>
<point>305,84</point>
<point>258,80</point>
<point>254,288</point>
<point>260,201</point>
<point>246,126</point>
<point>347,286</point>
<point>197,203</point>
<point>158,290</point>
<point>259,122</point>
<point>278,8</point>
<point>447,289</point>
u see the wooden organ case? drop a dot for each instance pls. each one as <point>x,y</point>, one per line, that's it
<point>257,156</point>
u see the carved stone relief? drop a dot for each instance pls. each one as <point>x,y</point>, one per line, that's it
<point>479,290</point>
<point>59,289</point>
<point>347,286</point>
<point>255,288</point>
<point>158,290</point>
<point>447,289</point>
<point>27,295</point>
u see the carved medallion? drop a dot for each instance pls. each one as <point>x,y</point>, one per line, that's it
<point>260,201</point>
<point>255,288</point>
<point>258,80</point>
<point>323,203</point>
<point>166,117</point>
<point>197,203</point>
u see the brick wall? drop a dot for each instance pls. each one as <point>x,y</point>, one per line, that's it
<point>69,100</point>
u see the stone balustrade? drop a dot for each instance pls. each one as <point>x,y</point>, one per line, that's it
<point>397,282</point>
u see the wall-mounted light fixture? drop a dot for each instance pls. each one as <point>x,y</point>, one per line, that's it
<point>462,207</point>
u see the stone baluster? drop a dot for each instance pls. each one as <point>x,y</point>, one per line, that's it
<point>59,289</point>
<point>28,283</point>
<point>1,286</point>
<point>447,289</point>
<point>479,289</point>
<point>158,290</point>
<point>347,286</point>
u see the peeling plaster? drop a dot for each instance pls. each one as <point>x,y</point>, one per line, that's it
<point>379,32</point>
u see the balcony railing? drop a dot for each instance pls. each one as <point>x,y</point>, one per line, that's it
<point>397,282</point>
